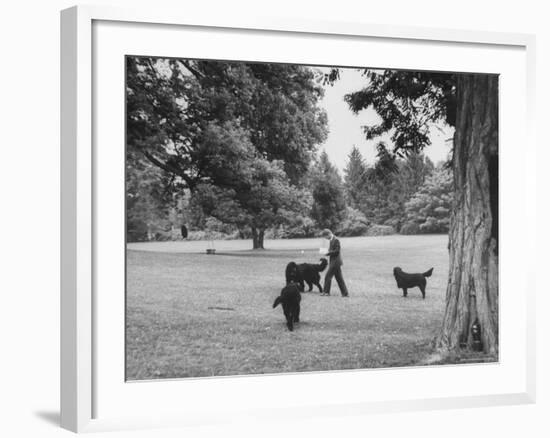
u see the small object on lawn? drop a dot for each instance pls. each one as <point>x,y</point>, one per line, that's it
<point>477,345</point>
<point>210,249</point>
<point>220,308</point>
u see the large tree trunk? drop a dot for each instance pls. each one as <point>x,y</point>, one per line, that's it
<point>257,238</point>
<point>472,291</point>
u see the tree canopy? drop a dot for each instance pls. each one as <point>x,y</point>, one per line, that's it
<point>408,102</point>
<point>175,106</point>
<point>219,125</point>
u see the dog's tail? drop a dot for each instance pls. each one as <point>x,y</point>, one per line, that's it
<point>428,273</point>
<point>277,301</point>
<point>322,265</point>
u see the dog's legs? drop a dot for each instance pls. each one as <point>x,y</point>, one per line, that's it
<point>302,286</point>
<point>310,285</point>
<point>289,324</point>
<point>405,292</point>
<point>319,286</point>
<point>297,314</point>
<point>288,316</point>
<point>423,290</point>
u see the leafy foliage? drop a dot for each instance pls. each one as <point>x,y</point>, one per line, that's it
<point>389,184</point>
<point>428,211</point>
<point>354,223</point>
<point>329,202</point>
<point>261,197</point>
<point>223,129</point>
<point>355,178</point>
<point>408,102</point>
<point>148,203</point>
<point>173,106</point>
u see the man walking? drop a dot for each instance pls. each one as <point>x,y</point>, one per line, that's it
<point>335,264</point>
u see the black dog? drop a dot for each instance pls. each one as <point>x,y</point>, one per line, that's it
<point>406,281</point>
<point>309,273</point>
<point>290,299</point>
<point>291,273</point>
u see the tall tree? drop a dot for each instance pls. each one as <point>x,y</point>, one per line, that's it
<point>472,292</point>
<point>408,103</point>
<point>329,203</point>
<point>262,198</point>
<point>181,114</point>
<point>355,178</point>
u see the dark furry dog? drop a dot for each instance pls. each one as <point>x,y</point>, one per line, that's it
<point>309,273</point>
<point>291,273</point>
<point>406,281</point>
<point>290,300</point>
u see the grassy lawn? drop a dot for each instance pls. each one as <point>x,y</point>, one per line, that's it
<point>190,314</point>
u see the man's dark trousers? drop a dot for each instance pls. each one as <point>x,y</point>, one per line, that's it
<point>335,268</point>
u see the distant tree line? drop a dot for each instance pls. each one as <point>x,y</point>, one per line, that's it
<point>413,198</point>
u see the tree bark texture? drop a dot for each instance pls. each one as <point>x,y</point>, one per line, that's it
<point>258,238</point>
<point>472,290</point>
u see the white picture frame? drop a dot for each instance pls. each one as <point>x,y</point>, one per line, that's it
<point>83,371</point>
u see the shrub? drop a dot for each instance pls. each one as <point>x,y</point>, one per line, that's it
<point>298,227</point>
<point>211,235</point>
<point>213,224</point>
<point>380,230</point>
<point>429,210</point>
<point>394,222</point>
<point>354,224</point>
<point>410,228</point>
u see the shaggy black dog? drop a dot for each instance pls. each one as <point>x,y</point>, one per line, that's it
<point>309,273</point>
<point>290,299</point>
<point>291,273</point>
<point>406,281</point>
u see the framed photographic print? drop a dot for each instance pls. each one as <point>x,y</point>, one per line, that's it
<point>253,209</point>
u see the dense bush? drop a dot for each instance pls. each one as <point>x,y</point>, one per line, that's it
<point>296,228</point>
<point>354,224</point>
<point>410,228</point>
<point>380,230</point>
<point>302,226</point>
<point>213,224</point>
<point>211,235</point>
<point>428,210</point>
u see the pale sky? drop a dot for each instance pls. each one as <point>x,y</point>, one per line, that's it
<point>345,127</point>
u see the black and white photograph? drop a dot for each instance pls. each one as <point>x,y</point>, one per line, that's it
<point>285,218</point>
